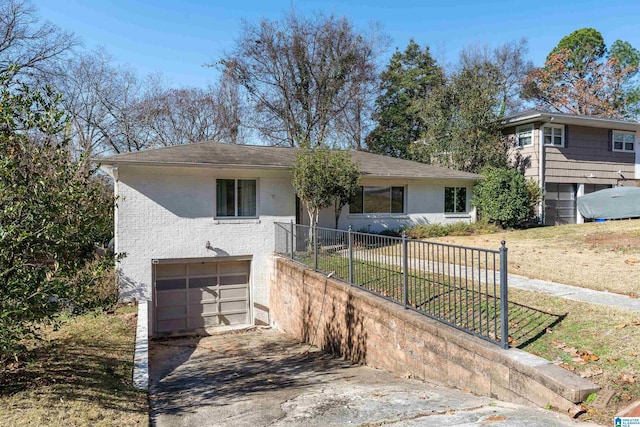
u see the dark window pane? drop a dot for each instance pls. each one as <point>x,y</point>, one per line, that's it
<point>170,284</point>
<point>397,200</point>
<point>377,199</point>
<point>461,199</point>
<point>225,197</point>
<point>202,282</point>
<point>246,197</point>
<point>355,205</point>
<point>449,199</point>
<point>233,280</point>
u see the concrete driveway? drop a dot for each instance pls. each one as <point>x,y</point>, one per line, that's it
<point>265,378</point>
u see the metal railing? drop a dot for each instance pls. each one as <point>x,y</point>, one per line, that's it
<point>461,286</point>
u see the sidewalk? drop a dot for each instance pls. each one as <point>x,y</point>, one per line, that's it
<point>575,293</point>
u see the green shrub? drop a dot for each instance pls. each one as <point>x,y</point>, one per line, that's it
<point>94,286</point>
<point>425,231</point>
<point>53,211</point>
<point>504,197</point>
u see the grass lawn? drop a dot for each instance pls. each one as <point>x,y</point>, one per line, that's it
<point>79,375</point>
<point>595,342</point>
<point>600,256</point>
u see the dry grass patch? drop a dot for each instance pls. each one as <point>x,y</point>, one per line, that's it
<point>595,342</point>
<point>600,256</point>
<point>79,375</point>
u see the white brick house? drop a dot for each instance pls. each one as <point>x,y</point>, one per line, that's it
<point>196,223</point>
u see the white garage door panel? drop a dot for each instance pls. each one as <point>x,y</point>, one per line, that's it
<point>201,295</point>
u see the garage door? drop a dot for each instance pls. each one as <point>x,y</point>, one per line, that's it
<point>560,204</point>
<point>198,295</point>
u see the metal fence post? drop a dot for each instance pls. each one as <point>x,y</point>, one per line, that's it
<point>504,297</point>
<point>350,256</point>
<point>291,231</point>
<point>405,272</point>
<point>315,246</point>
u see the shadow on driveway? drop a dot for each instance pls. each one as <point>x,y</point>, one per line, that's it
<point>263,377</point>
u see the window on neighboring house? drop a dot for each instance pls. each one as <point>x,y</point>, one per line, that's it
<point>236,198</point>
<point>378,200</point>
<point>553,135</point>
<point>624,141</point>
<point>524,136</point>
<point>455,200</point>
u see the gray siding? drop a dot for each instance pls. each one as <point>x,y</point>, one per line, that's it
<point>587,158</point>
<point>530,155</point>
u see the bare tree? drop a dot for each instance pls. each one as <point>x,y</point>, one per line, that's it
<point>101,98</point>
<point>232,111</point>
<point>27,45</point>
<point>298,73</point>
<point>510,60</point>
<point>355,122</point>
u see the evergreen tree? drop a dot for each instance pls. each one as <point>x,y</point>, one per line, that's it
<point>411,76</point>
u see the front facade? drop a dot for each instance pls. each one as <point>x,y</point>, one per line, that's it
<point>571,155</point>
<point>195,224</point>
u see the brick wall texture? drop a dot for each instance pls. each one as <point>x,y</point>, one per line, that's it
<point>367,329</point>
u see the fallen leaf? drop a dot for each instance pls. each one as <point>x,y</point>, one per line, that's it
<point>376,394</point>
<point>634,353</point>
<point>593,358</point>
<point>497,418</point>
<point>567,367</point>
<point>579,360</point>
<point>627,379</point>
<point>612,360</point>
<point>572,351</point>
<point>620,326</point>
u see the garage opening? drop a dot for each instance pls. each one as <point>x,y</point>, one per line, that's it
<point>560,204</point>
<point>199,295</point>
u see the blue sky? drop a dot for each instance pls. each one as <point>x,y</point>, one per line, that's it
<point>178,37</point>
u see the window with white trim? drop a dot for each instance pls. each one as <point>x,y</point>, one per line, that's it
<point>553,135</point>
<point>455,199</point>
<point>524,136</point>
<point>624,141</point>
<point>236,198</point>
<point>378,200</point>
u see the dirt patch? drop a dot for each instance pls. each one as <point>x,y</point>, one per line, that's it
<point>613,241</point>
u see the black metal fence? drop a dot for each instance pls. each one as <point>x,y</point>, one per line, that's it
<point>463,287</point>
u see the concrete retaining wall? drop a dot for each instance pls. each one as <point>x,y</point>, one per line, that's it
<point>367,329</point>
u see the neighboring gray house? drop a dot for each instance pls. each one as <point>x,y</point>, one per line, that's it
<point>572,155</point>
<point>196,223</point>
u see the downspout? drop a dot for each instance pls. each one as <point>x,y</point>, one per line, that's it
<point>116,182</point>
<point>541,168</point>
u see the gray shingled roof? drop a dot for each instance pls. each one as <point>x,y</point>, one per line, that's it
<point>530,116</point>
<point>261,157</point>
